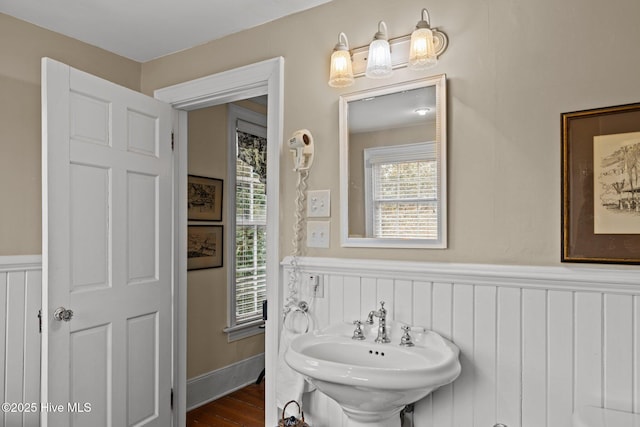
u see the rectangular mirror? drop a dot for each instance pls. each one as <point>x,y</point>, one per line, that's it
<point>393,166</point>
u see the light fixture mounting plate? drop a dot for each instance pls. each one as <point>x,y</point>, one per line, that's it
<point>399,52</point>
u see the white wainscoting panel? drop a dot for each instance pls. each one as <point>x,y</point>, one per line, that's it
<point>536,342</point>
<point>20,297</point>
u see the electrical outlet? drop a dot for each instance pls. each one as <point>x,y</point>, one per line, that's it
<point>319,203</point>
<point>315,285</point>
<point>318,234</point>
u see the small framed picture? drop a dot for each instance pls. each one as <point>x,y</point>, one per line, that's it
<point>204,198</point>
<point>204,246</point>
<point>601,185</point>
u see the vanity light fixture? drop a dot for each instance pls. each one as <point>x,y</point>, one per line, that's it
<point>422,52</point>
<point>341,73</point>
<point>379,58</point>
<point>418,51</point>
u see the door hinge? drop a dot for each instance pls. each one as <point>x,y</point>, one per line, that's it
<point>172,141</point>
<point>171,398</point>
<point>40,321</point>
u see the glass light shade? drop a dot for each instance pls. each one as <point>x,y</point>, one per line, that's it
<point>379,60</point>
<point>422,52</point>
<point>341,72</point>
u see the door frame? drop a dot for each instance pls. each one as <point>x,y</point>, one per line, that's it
<point>261,78</point>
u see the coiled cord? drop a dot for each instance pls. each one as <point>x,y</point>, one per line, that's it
<point>298,235</point>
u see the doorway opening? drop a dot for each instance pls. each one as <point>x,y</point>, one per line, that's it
<point>263,78</point>
<point>227,180</point>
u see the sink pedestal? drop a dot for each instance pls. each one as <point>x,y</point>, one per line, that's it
<point>365,407</point>
<point>391,422</point>
<point>394,421</point>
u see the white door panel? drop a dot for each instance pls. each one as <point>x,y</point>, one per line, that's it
<point>107,221</point>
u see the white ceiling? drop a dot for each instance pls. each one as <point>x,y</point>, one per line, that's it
<point>393,110</point>
<point>146,29</point>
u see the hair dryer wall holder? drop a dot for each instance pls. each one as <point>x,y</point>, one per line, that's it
<point>302,149</point>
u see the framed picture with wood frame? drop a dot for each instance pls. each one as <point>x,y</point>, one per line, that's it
<point>601,185</point>
<point>204,246</point>
<point>204,198</point>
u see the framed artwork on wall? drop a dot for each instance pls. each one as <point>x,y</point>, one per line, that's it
<point>601,185</point>
<point>204,198</point>
<point>204,246</point>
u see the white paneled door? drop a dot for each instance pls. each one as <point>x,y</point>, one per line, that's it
<point>107,257</point>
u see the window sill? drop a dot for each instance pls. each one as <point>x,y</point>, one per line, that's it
<point>245,330</point>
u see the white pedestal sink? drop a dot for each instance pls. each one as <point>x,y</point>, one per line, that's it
<point>372,382</point>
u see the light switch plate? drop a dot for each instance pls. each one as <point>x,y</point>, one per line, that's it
<point>319,203</point>
<point>318,234</point>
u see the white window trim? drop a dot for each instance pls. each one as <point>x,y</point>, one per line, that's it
<point>388,154</point>
<point>237,331</point>
<point>244,330</point>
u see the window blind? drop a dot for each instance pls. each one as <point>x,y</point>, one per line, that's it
<point>404,200</point>
<point>250,254</point>
<point>403,182</point>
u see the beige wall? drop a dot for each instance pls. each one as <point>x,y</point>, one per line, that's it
<point>512,69</point>
<point>207,346</point>
<point>21,47</point>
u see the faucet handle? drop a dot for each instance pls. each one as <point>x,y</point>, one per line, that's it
<point>358,334</point>
<point>406,340</point>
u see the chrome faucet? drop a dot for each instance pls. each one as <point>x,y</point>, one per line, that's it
<point>383,337</point>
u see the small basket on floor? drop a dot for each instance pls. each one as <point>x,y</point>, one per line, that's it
<point>292,421</point>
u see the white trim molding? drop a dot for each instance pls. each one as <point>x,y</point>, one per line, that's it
<point>244,330</point>
<point>261,78</point>
<point>20,263</point>
<point>620,281</point>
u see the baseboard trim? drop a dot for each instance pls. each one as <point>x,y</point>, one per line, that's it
<point>216,384</point>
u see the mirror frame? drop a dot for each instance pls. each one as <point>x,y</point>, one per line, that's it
<point>440,83</point>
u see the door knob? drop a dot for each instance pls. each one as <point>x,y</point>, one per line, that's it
<point>62,314</point>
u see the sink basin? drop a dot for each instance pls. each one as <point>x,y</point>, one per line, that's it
<point>373,382</point>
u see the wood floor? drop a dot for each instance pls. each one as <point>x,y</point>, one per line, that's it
<point>242,408</point>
